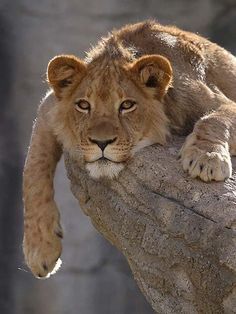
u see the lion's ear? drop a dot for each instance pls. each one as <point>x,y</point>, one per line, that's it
<point>64,71</point>
<point>153,71</point>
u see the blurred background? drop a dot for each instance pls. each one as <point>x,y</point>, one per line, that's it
<point>94,277</point>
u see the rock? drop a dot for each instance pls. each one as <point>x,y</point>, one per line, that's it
<point>178,234</point>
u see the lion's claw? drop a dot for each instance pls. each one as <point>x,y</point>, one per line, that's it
<point>206,165</point>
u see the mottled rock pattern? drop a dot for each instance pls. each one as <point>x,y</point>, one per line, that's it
<point>178,234</point>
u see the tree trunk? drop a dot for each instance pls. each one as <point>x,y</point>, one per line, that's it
<point>177,233</point>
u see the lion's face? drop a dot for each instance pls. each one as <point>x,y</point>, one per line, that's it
<point>110,109</point>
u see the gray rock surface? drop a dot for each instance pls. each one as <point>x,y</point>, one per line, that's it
<point>178,234</point>
<point>94,277</point>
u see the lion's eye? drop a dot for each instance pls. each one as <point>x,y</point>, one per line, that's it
<point>128,106</point>
<point>82,105</point>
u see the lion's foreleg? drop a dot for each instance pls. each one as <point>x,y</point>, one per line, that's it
<point>42,230</point>
<point>206,151</point>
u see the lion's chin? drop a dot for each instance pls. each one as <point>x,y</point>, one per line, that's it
<point>104,168</point>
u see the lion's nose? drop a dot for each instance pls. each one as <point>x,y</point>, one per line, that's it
<point>102,144</point>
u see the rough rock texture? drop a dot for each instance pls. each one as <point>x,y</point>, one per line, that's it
<point>178,234</point>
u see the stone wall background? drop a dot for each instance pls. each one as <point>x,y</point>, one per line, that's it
<point>94,277</point>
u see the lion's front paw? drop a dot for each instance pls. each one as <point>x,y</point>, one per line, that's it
<point>42,249</point>
<point>204,160</point>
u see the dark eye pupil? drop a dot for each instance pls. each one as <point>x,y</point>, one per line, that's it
<point>83,104</point>
<point>128,104</point>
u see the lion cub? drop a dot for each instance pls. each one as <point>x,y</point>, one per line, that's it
<point>136,87</point>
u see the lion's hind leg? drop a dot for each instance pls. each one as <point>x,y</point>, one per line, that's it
<point>222,72</point>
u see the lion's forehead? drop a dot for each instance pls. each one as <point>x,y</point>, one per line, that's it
<point>106,83</point>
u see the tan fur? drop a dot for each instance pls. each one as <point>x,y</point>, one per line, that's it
<point>135,87</point>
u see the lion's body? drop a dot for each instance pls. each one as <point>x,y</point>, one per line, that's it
<point>193,58</point>
<point>135,88</point>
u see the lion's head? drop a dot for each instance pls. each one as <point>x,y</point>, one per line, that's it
<point>109,108</point>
